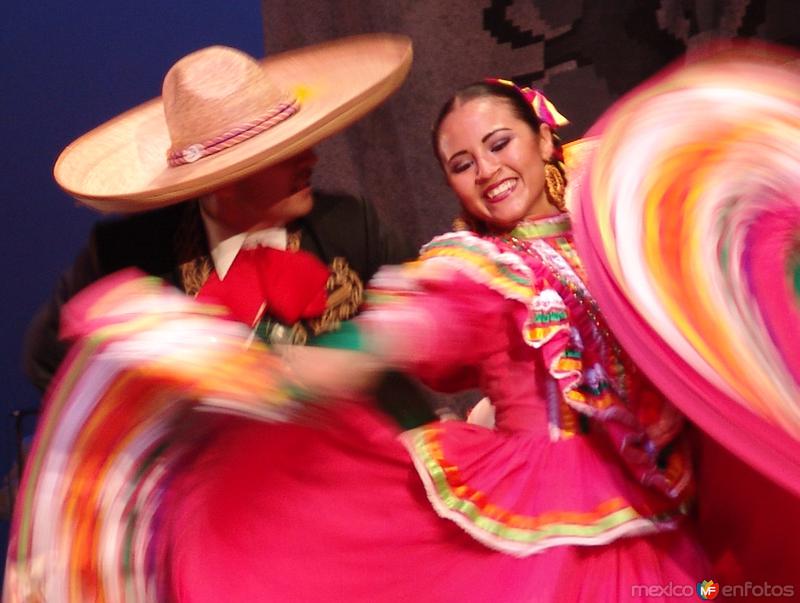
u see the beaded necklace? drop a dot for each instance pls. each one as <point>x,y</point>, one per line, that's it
<point>565,266</point>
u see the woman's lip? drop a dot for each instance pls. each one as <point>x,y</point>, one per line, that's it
<point>502,196</point>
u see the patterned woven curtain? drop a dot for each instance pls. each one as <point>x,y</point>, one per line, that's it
<point>584,54</point>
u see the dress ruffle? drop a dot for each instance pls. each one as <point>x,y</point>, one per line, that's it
<point>507,490</point>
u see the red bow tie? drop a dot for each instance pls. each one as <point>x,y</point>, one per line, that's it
<point>286,285</point>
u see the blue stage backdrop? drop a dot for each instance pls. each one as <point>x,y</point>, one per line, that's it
<point>67,67</point>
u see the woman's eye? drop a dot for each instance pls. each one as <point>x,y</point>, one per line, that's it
<point>499,145</point>
<point>459,167</point>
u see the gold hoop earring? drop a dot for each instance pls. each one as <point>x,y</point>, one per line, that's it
<point>555,184</point>
<point>464,221</point>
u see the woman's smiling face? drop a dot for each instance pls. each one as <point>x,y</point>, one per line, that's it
<point>495,162</point>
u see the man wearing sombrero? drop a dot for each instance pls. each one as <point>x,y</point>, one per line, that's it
<point>216,176</point>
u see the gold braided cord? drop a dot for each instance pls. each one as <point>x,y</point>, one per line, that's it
<point>345,295</point>
<point>191,250</point>
<point>345,288</point>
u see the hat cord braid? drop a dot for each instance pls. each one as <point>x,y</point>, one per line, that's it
<point>234,136</point>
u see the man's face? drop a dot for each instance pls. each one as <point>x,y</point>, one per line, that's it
<point>278,182</point>
<point>272,197</point>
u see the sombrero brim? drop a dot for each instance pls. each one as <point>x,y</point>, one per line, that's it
<point>121,166</point>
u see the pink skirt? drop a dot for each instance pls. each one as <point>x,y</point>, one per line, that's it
<point>337,512</point>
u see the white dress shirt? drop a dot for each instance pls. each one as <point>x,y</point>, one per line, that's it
<point>224,243</point>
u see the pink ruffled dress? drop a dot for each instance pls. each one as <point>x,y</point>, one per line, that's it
<point>577,494</point>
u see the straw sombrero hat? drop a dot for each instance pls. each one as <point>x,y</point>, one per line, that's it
<point>223,116</point>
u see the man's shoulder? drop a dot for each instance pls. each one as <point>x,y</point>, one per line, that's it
<point>147,239</point>
<point>336,206</point>
<point>340,225</point>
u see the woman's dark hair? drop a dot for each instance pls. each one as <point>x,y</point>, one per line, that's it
<point>519,106</point>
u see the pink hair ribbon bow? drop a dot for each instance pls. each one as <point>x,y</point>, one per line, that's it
<point>542,107</point>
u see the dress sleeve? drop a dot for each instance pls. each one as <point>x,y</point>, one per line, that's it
<point>441,332</point>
